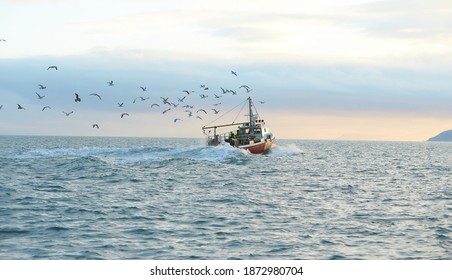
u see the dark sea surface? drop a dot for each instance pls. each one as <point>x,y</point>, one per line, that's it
<point>169,198</point>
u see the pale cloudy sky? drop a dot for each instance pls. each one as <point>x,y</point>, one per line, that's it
<point>356,69</point>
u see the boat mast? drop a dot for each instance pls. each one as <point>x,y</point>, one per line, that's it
<point>251,114</point>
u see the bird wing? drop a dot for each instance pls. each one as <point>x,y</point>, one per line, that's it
<point>95,94</point>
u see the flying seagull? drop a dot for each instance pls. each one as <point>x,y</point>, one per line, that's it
<point>234,73</point>
<point>95,94</point>
<point>77,98</point>
<point>52,67</point>
<point>19,107</point>
<point>166,111</point>
<point>140,97</point>
<point>68,114</point>
<point>124,114</point>
<point>143,88</point>
<point>3,40</point>
<point>121,104</point>
<point>248,89</point>
<point>40,96</point>
<point>41,86</point>
<point>155,104</point>
<point>165,100</point>
<point>1,107</point>
<point>175,120</point>
<point>188,92</point>
<point>201,110</point>
<point>95,125</point>
<point>46,107</point>
<point>216,111</point>
<point>110,83</point>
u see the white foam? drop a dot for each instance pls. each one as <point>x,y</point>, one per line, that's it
<point>285,150</point>
<point>219,153</point>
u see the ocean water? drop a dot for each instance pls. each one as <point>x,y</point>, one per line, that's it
<point>159,198</point>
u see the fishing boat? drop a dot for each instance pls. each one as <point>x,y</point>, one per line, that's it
<point>253,135</point>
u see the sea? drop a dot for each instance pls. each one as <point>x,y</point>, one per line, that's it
<point>70,198</point>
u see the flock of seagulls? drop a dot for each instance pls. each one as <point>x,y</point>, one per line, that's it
<point>166,104</point>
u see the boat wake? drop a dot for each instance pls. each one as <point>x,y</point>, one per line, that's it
<point>285,150</point>
<point>155,153</point>
<point>130,155</point>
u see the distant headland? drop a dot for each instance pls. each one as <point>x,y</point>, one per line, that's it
<point>443,136</point>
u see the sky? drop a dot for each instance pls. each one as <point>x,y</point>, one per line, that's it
<point>347,70</point>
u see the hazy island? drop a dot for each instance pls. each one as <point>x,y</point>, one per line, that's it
<point>443,136</point>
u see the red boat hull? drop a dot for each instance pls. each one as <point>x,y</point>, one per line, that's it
<point>258,148</point>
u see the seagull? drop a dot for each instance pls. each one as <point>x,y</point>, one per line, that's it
<point>181,99</point>
<point>248,89</point>
<point>95,94</point>
<point>188,92</point>
<point>77,98</point>
<point>95,125</point>
<point>120,104</point>
<point>216,104</point>
<point>53,66</point>
<point>46,107</point>
<point>202,86</point>
<point>234,73</point>
<point>40,96</point>
<point>198,117</point>
<point>41,86</point>
<point>217,96</point>
<point>3,40</point>
<point>175,120</point>
<point>142,98</point>
<point>224,90</point>
<point>201,110</point>
<point>262,102</point>
<point>143,88</point>
<point>166,110</point>
<point>203,96</point>
<point>19,107</point>
<point>110,83</point>
<point>155,104</point>
<point>124,114</point>
<point>1,107</point>
<point>68,114</point>
<point>216,111</point>
<point>165,100</point>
